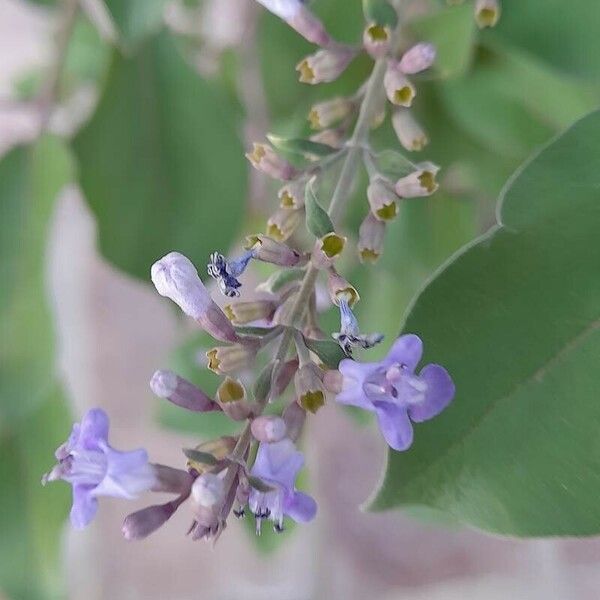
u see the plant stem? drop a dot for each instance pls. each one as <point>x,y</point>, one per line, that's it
<point>340,195</point>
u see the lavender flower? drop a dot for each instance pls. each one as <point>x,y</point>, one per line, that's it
<point>394,392</point>
<point>277,465</point>
<point>93,468</point>
<point>349,336</point>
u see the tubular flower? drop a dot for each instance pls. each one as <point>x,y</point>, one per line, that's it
<point>277,465</point>
<point>394,392</point>
<point>93,468</point>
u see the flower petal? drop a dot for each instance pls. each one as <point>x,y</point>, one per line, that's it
<point>354,375</point>
<point>406,350</point>
<point>301,507</point>
<point>84,506</point>
<point>128,474</point>
<point>440,391</point>
<point>94,429</point>
<point>278,462</point>
<point>395,425</point>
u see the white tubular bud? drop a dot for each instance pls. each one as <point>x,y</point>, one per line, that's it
<point>309,387</point>
<point>370,239</point>
<point>419,183</point>
<point>382,198</point>
<point>327,113</point>
<point>327,249</point>
<point>229,359</point>
<point>409,132</point>
<point>283,222</point>
<point>179,391</point>
<point>325,65</point>
<point>265,159</point>
<point>418,58</point>
<point>399,90</point>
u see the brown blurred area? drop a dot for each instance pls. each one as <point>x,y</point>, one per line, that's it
<point>114,332</point>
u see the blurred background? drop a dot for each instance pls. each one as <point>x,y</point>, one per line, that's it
<point>136,148</point>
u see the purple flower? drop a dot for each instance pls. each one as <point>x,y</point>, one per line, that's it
<point>394,392</point>
<point>94,469</point>
<point>277,464</point>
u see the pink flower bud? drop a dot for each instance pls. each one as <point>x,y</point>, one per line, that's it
<point>231,396</point>
<point>325,65</point>
<point>268,428</point>
<point>179,391</point>
<point>142,523</point>
<point>331,137</point>
<point>176,278</point>
<point>228,359</point>
<point>419,183</point>
<point>376,39</point>
<point>327,249</point>
<point>208,490</point>
<point>418,58</point>
<point>398,88</point>
<point>327,113</point>
<point>265,159</point>
<point>370,239</point>
<point>241,313</point>
<point>283,222</point>
<point>382,198</point>
<point>339,288</point>
<point>172,481</point>
<point>309,387</point>
<point>284,377</point>
<point>294,416</point>
<point>333,380</point>
<point>291,195</point>
<point>409,132</point>
<point>271,251</point>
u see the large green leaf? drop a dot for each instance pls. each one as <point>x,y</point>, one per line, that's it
<point>136,19</point>
<point>30,180</point>
<point>161,162</point>
<point>515,319</point>
<point>565,34</point>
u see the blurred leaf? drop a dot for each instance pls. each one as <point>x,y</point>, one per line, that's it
<point>201,457</point>
<point>318,221</point>
<point>453,32</point>
<point>32,178</point>
<point>136,19</point>
<point>161,163</point>
<point>300,146</point>
<point>87,56</point>
<point>32,517</point>
<point>565,34</point>
<point>515,320</point>
<point>327,350</point>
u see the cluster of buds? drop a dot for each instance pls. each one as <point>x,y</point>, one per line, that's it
<point>275,327</point>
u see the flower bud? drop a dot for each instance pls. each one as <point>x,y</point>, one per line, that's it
<point>309,387</point>
<point>376,39</point>
<point>179,391</point>
<point>142,523</point>
<point>176,278</point>
<point>487,13</point>
<point>284,376</point>
<point>327,249</point>
<point>370,239</point>
<point>283,222</point>
<point>331,137</point>
<point>294,416</point>
<point>228,359</point>
<point>219,448</point>
<point>333,380</point>
<point>268,428</point>
<point>208,495</point>
<point>419,183</point>
<point>172,481</point>
<point>382,198</point>
<point>418,58</point>
<point>408,130</point>
<point>339,288</point>
<point>265,159</point>
<point>325,65</point>
<point>241,313</point>
<point>291,195</point>
<point>398,88</point>
<point>268,250</point>
<point>231,396</point>
<point>324,114</point>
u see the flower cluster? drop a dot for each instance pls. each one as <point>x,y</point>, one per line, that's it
<point>275,329</point>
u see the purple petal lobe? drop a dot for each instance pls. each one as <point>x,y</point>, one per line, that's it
<point>395,425</point>
<point>406,350</point>
<point>84,506</point>
<point>354,375</point>
<point>278,462</point>
<point>301,507</point>
<point>440,392</point>
<point>94,428</point>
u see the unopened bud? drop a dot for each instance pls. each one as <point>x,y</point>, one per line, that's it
<point>418,58</point>
<point>376,39</point>
<point>409,132</point>
<point>241,313</point>
<point>487,13</point>
<point>171,481</point>
<point>268,250</point>
<point>331,137</point>
<point>179,391</point>
<point>265,159</point>
<point>176,278</point>
<point>228,359</point>
<point>325,65</point>
<point>208,490</point>
<point>340,289</point>
<point>398,88</point>
<point>419,183</point>
<point>333,380</point>
<point>284,376</point>
<point>370,239</point>
<point>294,416</point>
<point>268,428</point>
<point>327,249</point>
<point>142,523</point>
<point>327,113</point>
<point>291,195</point>
<point>283,222</point>
<point>382,198</point>
<point>309,387</point>
<point>231,396</point>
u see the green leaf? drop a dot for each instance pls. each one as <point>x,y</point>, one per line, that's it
<point>327,350</point>
<point>199,456</point>
<point>136,19</point>
<point>563,34</point>
<point>300,146</point>
<point>453,32</point>
<point>32,178</point>
<point>380,12</point>
<point>161,163</point>
<point>317,219</point>
<point>515,319</point>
